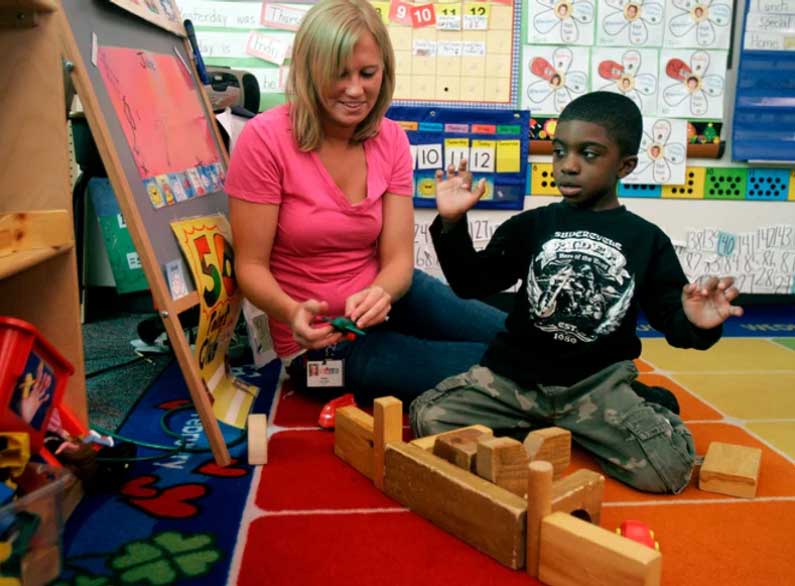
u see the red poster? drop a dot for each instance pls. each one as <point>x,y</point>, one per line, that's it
<point>159,109</point>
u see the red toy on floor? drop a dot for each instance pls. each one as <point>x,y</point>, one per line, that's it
<point>329,410</point>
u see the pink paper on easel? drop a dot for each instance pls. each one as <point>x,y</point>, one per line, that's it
<point>159,110</point>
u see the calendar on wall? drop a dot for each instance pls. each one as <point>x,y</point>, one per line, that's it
<point>463,53</point>
<point>494,143</point>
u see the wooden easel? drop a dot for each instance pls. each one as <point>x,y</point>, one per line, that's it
<point>113,149</point>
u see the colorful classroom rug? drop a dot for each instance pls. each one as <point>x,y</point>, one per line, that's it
<point>309,519</point>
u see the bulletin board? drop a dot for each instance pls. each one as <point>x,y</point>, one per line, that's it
<point>462,52</point>
<point>764,111</point>
<point>495,144</point>
<point>669,56</point>
<point>154,129</point>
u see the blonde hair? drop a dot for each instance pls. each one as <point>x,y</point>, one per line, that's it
<point>322,48</point>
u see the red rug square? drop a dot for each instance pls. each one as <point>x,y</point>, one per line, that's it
<point>391,549</point>
<point>303,473</point>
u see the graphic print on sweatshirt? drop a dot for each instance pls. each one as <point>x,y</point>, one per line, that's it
<point>578,287</point>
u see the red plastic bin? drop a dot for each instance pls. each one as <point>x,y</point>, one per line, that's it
<point>33,376</point>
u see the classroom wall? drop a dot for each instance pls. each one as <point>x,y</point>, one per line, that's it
<point>691,223</point>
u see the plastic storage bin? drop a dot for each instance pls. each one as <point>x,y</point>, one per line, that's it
<point>33,376</point>
<point>31,529</point>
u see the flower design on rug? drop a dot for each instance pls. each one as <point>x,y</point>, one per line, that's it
<point>632,18</point>
<point>555,78</point>
<point>692,83</point>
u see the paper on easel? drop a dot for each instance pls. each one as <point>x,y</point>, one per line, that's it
<point>259,336</point>
<point>206,244</point>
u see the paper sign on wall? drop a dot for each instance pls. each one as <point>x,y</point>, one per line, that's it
<point>662,154</point>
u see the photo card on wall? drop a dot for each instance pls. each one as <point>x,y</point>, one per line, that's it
<point>631,72</point>
<point>560,22</point>
<point>698,24</point>
<point>692,83</point>
<point>662,154</point>
<point>553,77</point>
<point>634,23</point>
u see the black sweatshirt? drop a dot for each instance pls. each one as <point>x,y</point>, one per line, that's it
<point>584,275</point>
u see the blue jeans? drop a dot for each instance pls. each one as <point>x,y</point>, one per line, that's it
<point>431,334</point>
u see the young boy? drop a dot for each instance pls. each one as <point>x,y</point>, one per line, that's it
<point>586,265</point>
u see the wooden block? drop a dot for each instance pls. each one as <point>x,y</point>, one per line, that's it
<point>41,565</point>
<point>552,444</point>
<point>353,439</point>
<point>257,439</point>
<point>575,552</point>
<point>388,427</point>
<point>476,511</point>
<point>427,442</point>
<point>35,229</point>
<point>503,460</point>
<point>582,490</point>
<point>539,505</point>
<point>460,447</point>
<point>730,469</point>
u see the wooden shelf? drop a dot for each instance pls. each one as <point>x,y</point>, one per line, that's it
<point>698,151</point>
<point>17,262</point>
<point>38,257</point>
<point>24,13</point>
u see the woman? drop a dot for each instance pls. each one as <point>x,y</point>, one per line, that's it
<point>323,222</point>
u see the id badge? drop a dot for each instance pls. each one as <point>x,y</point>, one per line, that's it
<point>324,373</point>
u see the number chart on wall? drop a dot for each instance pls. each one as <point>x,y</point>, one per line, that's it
<point>458,52</point>
<point>494,142</point>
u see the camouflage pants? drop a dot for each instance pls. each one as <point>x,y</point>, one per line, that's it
<point>641,444</point>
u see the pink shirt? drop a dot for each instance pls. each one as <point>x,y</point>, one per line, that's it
<point>325,248</point>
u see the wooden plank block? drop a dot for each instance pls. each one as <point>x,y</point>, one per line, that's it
<point>388,427</point>
<point>476,511</point>
<point>539,505</point>
<point>427,442</point>
<point>552,444</point>
<point>582,490</point>
<point>460,447</point>
<point>503,460</point>
<point>575,552</point>
<point>353,439</point>
<point>257,439</point>
<point>34,230</point>
<point>730,469</point>
<point>40,565</point>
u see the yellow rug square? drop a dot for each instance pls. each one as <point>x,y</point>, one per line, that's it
<point>729,354</point>
<point>780,434</point>
<point>769,395</point>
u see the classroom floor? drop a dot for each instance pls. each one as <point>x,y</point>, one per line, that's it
<point>741,391</point>
<point>749,381</point>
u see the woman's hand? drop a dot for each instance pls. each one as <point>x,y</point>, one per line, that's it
<point>369,307</point>
<point>454,193</point>
<point>305,329</point>
<point>707,304</point>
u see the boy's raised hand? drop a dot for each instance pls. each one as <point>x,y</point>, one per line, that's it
<point>707,302</point>
<point>455,195</point>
